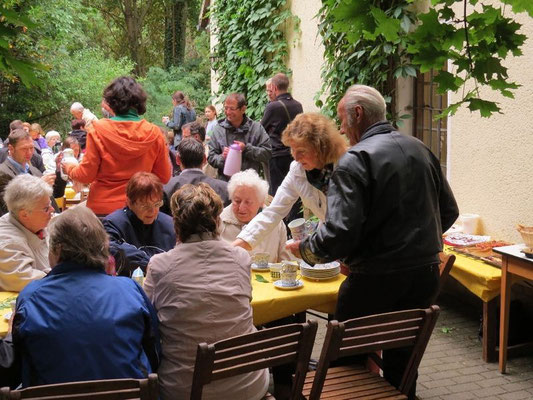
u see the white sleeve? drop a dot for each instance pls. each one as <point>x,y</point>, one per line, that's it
<point>265,222</point>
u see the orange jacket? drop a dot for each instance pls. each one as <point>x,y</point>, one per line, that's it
<point>115,151</point>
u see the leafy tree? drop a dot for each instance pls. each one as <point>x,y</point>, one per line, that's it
<point>475,35</point>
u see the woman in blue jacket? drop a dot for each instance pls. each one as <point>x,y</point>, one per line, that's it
<point>78,323</point>
<point>182,114</point>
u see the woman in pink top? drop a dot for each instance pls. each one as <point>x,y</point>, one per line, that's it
<point>201,291</point>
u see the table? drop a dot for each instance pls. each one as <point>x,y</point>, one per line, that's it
<point>515,266</point>
<point>268,303</point>
<point>3,310</point>
<point>484,281</point>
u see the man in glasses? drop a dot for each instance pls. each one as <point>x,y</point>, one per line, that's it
<point>139,230</point>
<point>23,239</point>
<point>249,135</point>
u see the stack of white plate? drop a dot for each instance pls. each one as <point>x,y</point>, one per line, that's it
<point>320,271</point>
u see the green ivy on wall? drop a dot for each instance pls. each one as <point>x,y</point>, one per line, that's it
<point>251,46</point>
<point>374,42</point>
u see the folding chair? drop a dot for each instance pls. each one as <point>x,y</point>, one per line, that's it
<point>255,351</point>
<point>445,266</point>
<point>367,335</point>
<point>110,389</point>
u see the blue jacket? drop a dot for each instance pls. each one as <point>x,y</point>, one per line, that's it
<point>138,242</point>
<point>80,324</point>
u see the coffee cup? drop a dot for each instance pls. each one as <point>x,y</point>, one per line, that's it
<point>298,229</point>
<point>275,271</point>
<point>261,259</point>
<point>289,275</point>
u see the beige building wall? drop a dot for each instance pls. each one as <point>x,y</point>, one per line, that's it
<point>491,159</point>
<point>306,53</point>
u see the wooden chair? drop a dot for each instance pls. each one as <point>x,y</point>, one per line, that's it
<point>111,389</point>
<point>255,351</point>
<point>367,335</point>
<point>445,266</point>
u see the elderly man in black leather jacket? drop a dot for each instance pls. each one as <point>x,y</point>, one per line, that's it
<point>388,204</point>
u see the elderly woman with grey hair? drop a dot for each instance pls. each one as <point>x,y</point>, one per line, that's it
<point>23,239</point>
<point>248,192</point>
<point>98,326</point>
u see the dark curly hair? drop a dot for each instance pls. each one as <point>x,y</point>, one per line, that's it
<point>195,209</point>
<point>125,93</point>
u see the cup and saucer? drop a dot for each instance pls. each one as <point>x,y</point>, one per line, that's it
<point>288,285</point>
<point>260,262</point>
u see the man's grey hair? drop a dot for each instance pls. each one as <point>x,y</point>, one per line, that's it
<point>369,99</point>
<point>78,235</point>
<point>24,191</point>
<point>248,178</point>
<point>76,107</point>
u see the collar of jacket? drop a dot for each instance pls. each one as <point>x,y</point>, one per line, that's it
<point>32,237</point>
<point>284,96</point>
<point>377,129</point>
<point>64,267</point>
<point>200,237</point>
<point>243,128</point>
<point>131,115</point>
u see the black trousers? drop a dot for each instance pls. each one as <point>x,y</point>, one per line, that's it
<point>279,168</point>
<point>366,294</point>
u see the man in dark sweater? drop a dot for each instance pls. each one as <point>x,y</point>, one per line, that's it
<point>278,114</point>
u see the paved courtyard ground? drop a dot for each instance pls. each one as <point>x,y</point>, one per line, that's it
<point>452,368</point>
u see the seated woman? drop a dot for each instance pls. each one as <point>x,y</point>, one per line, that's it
<point>201,290</point>
<point>316,146</point>
<point>247,192</point>
<point>139,230</point>
<point>78,323</point>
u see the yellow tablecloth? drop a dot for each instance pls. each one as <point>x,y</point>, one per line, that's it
<point>482,279</point>
<point>270,303</point>
<point>4,310</point>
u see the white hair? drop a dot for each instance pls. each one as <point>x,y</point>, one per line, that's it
<point>369,99</point>
<point>248,178</point>
<point>76,107</point>
<point>23,191</point>
<point>51,134</point>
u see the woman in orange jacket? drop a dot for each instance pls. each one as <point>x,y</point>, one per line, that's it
<point>119,147</point>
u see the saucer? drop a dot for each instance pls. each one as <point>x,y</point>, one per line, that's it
<point>256,267</point>
<point>279,284</point>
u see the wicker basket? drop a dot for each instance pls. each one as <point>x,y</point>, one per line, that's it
<point>527,234</point>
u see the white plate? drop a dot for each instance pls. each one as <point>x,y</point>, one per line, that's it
<point>313,278</point>
<point>320,267</point>
<point>279,285</point>
<point>255,267</point>
<point>8,315</point>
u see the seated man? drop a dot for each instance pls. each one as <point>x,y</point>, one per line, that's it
<point>191,158</point>
<point>20,152</point>
<point>23,241</point>
<point>139,230</point>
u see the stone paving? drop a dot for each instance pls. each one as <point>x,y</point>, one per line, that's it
<point>452,367</point>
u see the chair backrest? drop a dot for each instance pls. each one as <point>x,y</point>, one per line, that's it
<point>111,389</point>
<point>374,333</point>
<point>255,351</point>
<point>445,266</point>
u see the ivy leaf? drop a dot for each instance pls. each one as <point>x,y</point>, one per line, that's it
<point>259,278</point>
<point>486,108</point>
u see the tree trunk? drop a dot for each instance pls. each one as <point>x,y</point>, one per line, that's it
<point>134,18</point>
<point>175,31</point>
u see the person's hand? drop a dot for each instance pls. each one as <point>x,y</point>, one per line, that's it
<point>49,178</point>
<point>294,248</point>
<point>59,158</point>
<point>242,145</point>
<point>241,243</point>
<point>225,152</point>
<point>68,166</point>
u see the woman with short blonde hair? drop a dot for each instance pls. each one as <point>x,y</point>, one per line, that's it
<point>316,146</point>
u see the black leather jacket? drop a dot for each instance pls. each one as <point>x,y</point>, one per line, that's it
<point>388,204</point>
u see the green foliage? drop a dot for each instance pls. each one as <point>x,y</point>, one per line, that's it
<point>251,46</point>
<point>375,42</point>
<point>364,43</point>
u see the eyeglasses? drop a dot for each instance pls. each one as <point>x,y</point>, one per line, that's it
<point>149,207</point>
<point>45,209</point>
